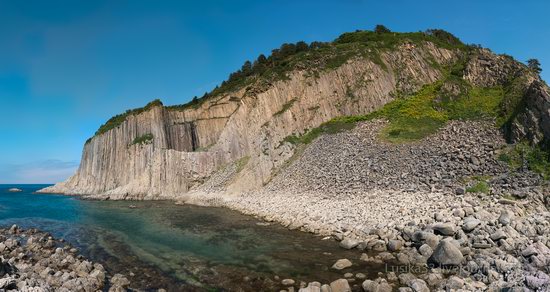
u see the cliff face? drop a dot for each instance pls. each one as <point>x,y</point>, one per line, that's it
<point>245,129</point>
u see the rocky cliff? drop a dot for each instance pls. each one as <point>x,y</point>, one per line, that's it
<point>165,152</point>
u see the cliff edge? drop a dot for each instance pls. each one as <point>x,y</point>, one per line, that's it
<point>241,135</point>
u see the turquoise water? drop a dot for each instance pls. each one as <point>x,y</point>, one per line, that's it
<point>162,245</point>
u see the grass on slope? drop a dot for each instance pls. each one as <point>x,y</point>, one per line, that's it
<point>419,115</point>
<point>480,187</point>
<point>536,159</point>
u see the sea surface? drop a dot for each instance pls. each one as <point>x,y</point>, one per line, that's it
<point>179,248</point>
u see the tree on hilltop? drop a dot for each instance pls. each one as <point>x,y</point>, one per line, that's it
<point>534,65</point>
<point>381,29</point>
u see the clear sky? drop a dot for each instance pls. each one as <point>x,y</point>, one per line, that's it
<point>67,66</point>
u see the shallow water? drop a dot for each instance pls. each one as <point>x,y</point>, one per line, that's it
<point>178,247</point>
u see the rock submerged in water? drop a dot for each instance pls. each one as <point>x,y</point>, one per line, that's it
<point>14,190</point>
<point>342,264</point>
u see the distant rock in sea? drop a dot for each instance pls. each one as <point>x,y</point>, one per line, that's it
<point>15,190</point>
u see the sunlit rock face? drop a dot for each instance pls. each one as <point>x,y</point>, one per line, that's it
<point>247,127</point>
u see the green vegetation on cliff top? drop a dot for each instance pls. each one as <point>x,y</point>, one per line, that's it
<point>119,119</point>
<point>312,57</point>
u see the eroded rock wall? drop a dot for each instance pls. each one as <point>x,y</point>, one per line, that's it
<point>190,145</point>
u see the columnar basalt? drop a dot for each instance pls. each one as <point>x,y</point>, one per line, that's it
<point>164,152</point>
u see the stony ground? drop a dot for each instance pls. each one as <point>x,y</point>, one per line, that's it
<point>34,261</point>
<point>410,203</point>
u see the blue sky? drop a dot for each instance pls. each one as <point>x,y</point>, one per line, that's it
<point>67,66</point>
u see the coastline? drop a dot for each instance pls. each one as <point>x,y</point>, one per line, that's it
<point>412,238</point>
<point>414,210</point>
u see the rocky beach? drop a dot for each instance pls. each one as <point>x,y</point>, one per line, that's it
<point>419,210</point>
<point>411,151</point>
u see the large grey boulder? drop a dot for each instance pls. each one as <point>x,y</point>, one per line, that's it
<point>506,217</point>
<point>446,229</point>
<point>470,223</point>
<point>446,254</point>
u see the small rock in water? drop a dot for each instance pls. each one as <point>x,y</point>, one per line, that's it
<point>360,276</point>
<point>287,282</point>
<point>349,243</point>
<point>14,190</point>
<point>342,264</point>
<point>119,280</point>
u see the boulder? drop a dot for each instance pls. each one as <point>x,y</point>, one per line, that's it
<point>349,243</point>
<point>470,223</point>
<point>454,283</point>
<point>119,280</point>
<point>506,217</point>
<point>498,235</point>
<point>340,285</point>
<point>379,285</point>
<point>418,285</point>
<point>446,229</point>
<point>8,283</point>
<point>446,254</point>
<point>287,282</point>
<point>425,250</point>
<point>395,245</point>
<point>311,287</point>
<point>529,251</point>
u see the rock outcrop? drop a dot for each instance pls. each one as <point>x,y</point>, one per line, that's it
<point>166,152</point>
<point>189,145</point>
<point>533,121</point>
